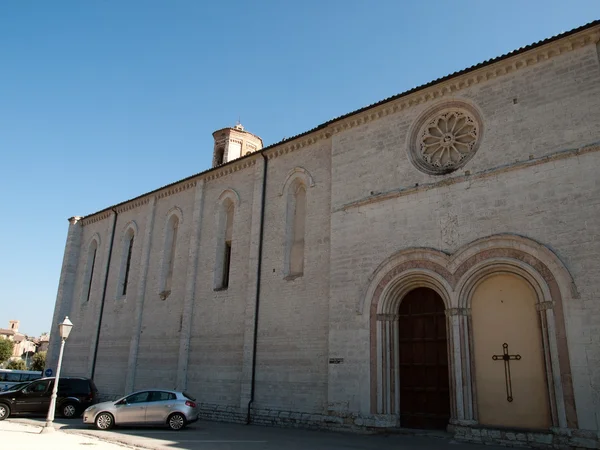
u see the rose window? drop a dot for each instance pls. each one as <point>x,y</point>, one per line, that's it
<point>445,139</point>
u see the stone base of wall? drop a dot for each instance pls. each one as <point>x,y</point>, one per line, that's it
<point>557,438</point>
<point>273,417</point>
<point>221,413</point>
<point>339,421</point>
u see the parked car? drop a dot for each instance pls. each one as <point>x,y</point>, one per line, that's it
<point>16,387</point>
<point>148,407</point>
<point>73,396</point>
<point>10,378</point>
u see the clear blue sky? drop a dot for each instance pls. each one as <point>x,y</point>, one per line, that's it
<point>102,101</point>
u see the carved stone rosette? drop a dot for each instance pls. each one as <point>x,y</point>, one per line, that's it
<point>445,138</point>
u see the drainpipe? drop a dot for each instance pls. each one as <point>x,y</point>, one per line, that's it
<point>258,272</point>
<point>110,247</point>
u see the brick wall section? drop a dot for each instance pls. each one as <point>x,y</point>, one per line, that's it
<point>217,334</point>
<point>556,109</point>
<point>293,318</point>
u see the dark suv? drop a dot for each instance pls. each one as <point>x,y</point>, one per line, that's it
<point>74,395</point>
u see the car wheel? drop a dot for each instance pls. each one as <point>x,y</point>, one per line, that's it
<point>176,421</point>
<point>4,411</point>
<point>68,410</point>
<point>104,421</point>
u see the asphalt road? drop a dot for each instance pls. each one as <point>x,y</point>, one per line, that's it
<point>223,436</point>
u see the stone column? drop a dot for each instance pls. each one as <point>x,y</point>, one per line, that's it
<point>111,223</point>
<point>546,309</point>
<point>253,266</point>
<point>466,365</point>
<point>134,344</point>
<point>190,287</point>
<point>455,316</point>
<point>66,288</point>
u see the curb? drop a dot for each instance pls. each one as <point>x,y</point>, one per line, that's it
<point>80,432</point>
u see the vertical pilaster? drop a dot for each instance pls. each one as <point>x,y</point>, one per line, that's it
<point>66,288</point>
<point>134,344</point>
<point>111,224</point>
<point>190,287</point>
<point>468,388</point>
<point>455,353</point>
<point>554,368</point>
<point>253,267</point>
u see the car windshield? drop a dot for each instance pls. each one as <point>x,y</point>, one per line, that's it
<point>188,396</point>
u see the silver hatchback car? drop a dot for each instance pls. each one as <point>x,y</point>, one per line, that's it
<point>148,407</point>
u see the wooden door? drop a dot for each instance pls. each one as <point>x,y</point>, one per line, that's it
<point>423,361</point>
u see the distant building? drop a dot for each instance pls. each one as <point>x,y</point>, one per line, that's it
<point>42,342</point>
<point>22,343</point>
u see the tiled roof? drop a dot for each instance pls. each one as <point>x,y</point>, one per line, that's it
<point>373,105</point>
<point>7,332</point>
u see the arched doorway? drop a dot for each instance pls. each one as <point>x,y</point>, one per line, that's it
<point>510,372</point>
<point>423,361</point>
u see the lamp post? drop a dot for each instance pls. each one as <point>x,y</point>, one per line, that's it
<point>64,329</point>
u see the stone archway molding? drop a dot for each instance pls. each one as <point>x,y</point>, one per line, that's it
<point>454,276</point>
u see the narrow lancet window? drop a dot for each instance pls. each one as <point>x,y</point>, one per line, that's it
<point>169,256</point>
<point>89,270</point>
<point>227,247</point>
<point>127,264</point>
<point>224,250</point>
<point>296,224</point>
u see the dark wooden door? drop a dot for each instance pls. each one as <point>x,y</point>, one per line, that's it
<point>423,361</point>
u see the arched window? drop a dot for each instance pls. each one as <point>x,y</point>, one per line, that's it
<point>126,255</point>
<point>295,229</point>
<point>224,245</point>
<point>219,155</point>
<point>89,270</point>
<point>169,255</point>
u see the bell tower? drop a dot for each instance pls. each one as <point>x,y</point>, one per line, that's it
<point>233,143</point>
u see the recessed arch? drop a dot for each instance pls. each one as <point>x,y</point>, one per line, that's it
<point>297,173</point>
<point>408,280</point>
<point>129,229</point>
<point>398,277</point>
<point>295,228</point>
<point>173,221</point>
<point>91,267</point>
<point>422,259</point>
<point>558,381</point>
<point>174,211</point>
<point>226,209</point>
<point>128,239</point>
<point>95,237</point>
<point>230,194</point>
<point>454,277</point>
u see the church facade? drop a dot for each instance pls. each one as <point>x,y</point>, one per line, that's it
<point>430,261</point>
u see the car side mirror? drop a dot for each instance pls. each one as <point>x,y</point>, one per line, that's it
<point>121,402</point>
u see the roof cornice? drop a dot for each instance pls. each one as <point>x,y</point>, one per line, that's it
<point>95,217</point>
<point>449,85</point>
<point>233,166</point>
<point>461,81</point>
<point>297,143</point>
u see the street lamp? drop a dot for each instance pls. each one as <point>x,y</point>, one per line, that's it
<point>64,329</point>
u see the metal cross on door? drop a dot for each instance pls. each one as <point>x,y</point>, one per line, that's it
<point>507,358</point>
